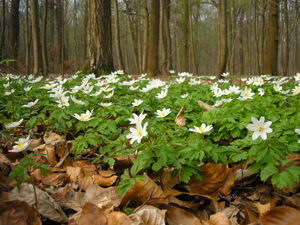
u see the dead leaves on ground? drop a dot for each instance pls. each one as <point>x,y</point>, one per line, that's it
<point>90,193</point>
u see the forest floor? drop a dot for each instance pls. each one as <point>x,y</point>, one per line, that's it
<point>78,190</point>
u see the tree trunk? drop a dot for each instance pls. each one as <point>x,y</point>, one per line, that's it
<point>186,34</point>
<point>241,43</point>
<point>99,36</point>
<point>44,42</point>
<point>59,32</point>
<point>153,59</point>
<point>27,39</point>
<point>165,36</point>
<point>271,55</point>
<point>146,38</point>
<point>3,29</point>
<point>223,47</point>
<point>14,25</point>
<point>285,38</point>
<point>117,36</point>
<point>37,54</point>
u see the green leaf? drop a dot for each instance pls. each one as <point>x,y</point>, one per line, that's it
<point>268,171</point>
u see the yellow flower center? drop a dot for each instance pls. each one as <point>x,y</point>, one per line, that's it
<point>83,117</point>
<point>201,129</point>
<point>260,128</point>
<point>139,133</point>
<point>20,145</point>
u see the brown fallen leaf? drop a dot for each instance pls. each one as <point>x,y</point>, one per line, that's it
<point>180,119</point>
<point>219,218</point>
<point>87,167</point>
<point>119,218</point>
<point>47,207</point>
<point>92,215</point>
<point>57,178</point>
<point>205,105</point>
<point>18,213</point>
<point>104,198</point>
<point>144,191</point>
<point>51,138</point>
<point>149,215</point>
<point>178,216</point>
<point>283,215</point>
<point>217,179</point>
<point>66,197</point>
<point>105,178</point>
<point>34,143</point>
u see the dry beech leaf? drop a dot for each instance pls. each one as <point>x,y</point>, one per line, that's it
<point>66,198</point>
<point>119,218</point>
<point>219,218</point>
<point>53,138</point>
<point>18,213</point>
<point>178,216</point>
<point>180,119</point>
<point>205,105</point>
<point>143,191</point>
<point>87,167</point>
<point>50,152</point>
<point>35,143</point>
<point>263,208</point>
<point>91,215</point>
<point>58,177</point>
<point>104,198</point>
<point>105,178</point>
<point>217,179</point>
<point>47,207</point>
<point>149,215</point>
<point>282,215</point>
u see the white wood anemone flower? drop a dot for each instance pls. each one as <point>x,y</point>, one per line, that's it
<point>202,129</point>
<point>137,134</point>
<point>137,118</point>
<point>30,104</point>
<point>21,145</point>
<point>260,128</point>
<point>297,132</point>
<point>84,116</point>
<point>137,102</point>
<point>105,104</point>
<point>162,113</point>
<point>13,124</point>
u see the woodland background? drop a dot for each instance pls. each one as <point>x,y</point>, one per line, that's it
<point>204,37</point>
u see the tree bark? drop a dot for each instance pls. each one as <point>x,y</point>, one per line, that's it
<point>27,39</point>
<point>223,47</point>
<point>44,42</point>
<point>37,55</point>
<point>99,36</point>
<point>165,36</point>
<point>59,32</point>
<point>271,55</point>
<point>15,27</point>
<point>145,38</point>
<point>186,37</point>
<point>153,49</point>
<point>117,36</point>
<point>286,42</point>
<point>3,27</point>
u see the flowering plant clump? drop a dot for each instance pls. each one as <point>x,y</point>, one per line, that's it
<point>256,123</point>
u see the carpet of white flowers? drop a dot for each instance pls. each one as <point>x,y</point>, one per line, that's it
<point>256,123</point>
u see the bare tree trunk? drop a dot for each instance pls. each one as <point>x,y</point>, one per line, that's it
<point>223,48</point>
<point>285,38</point>
<point>117,36</point>
<point>186,35</point>
<point>256,38</point>
<point>262,34</point>
<point>15,26</point>
<point>44,41</point>
<point>241,43</point>
<point>271,55</point>
<point>99,36</point>
<point>59,31</point>
<point>37,55</point>
<point>75,34</point>
<point>3,29</point>
<point>165,35</point>
<point>27,40</point>
<point>192,46</point>
<point>153,49</point>
<point>176,58</point>
<point>297,55</point>
<point>146,38</point>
